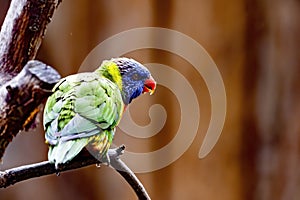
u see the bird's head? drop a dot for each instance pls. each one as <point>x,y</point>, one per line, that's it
<point>132,77</point>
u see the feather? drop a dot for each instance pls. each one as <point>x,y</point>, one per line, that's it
<point>85,108</point>
<point>65,151</point>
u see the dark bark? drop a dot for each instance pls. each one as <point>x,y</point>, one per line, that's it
<point>23,89</point>
<point>20,38</point>
<point>22,33</point>
<point>18,174</point>
<point>20,97</point>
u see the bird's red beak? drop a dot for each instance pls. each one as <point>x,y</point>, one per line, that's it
<point>149,85</point>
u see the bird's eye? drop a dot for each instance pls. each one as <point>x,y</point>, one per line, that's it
<point>135,76</point>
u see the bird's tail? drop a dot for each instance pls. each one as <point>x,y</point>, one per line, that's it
<point>65,151</point>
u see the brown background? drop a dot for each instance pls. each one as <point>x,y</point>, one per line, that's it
<point>255,45</point>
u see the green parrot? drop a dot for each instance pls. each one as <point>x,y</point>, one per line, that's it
<point>85,108</point>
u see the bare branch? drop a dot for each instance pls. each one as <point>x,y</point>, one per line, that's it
<point>18,174</point>
<point>22,33</point>
<point>127,174</point>
<point>20,37</point>
<point>20,97</point>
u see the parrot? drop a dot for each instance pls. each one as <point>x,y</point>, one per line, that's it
<point>85,108</point>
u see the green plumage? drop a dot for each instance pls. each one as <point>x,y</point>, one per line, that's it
<point>84,109</point>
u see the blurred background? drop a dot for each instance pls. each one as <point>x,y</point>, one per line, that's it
<point>255,45</point>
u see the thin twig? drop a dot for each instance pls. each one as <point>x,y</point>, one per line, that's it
<point>22,173</point>
<point>128,175</point>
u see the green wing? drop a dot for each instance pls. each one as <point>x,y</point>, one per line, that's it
<point>83,108</point>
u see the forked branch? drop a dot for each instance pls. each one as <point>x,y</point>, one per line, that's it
<point>18,174</point>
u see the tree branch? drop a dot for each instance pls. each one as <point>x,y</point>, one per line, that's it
<point>21,34</point>
<point>18,174</point>
<point>20,38</point>
<point>20,97</point>
<point>24,89</point>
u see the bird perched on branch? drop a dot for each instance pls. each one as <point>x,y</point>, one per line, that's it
<point>85,108</point>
